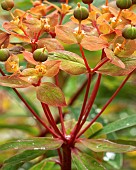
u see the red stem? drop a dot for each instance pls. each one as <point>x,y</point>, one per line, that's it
<point>100,64</point>
<point>75,130</point>
<point>48,117</point>
<point>60,155</point>
<point>31,110</point>
<point>60,110</point>
<point>91,100</point>
<point>84,58</point>
<point>61,18</point>
<point>105,106</point>
<point>94,24</point>
<point>46,109</point>
<point>35,114</point>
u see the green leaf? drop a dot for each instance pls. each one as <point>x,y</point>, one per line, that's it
<point>25,156</point>
<point>85,162</point>
<point>70,62</point>
<point>13,81</point>
<point>114,159</point>
<point>50,94</point>
<point>22,127</point>
<point>118,125</point>
<point>11,166</point>
<point>46,164</point>
<point>112,70</point>
<point>101,145</point>
<point>33,144</point>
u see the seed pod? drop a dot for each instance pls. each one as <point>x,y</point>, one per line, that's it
<point>129,32</point>
<point>4,54</point>
<point>7,5</point>
<point>87,1</point>
<point>40,55</point>
<point>123,4</point>
<point>133,1</point>
<point>81,13</point>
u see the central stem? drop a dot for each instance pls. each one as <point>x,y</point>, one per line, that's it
<point>66,158</point>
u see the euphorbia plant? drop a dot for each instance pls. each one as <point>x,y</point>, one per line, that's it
<point>41,38</point>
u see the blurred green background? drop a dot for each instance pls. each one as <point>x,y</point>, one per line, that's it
<point>16,121</point>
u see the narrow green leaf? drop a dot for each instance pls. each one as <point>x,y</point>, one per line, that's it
<point>46,164</point>
<point>70,62</point>
<point>118,125</point>
<point>50,94</point>
<point>25,156</point>
<point>13,82</point>
<point>22,127</point>
<point>85,162</point>
<point>114,159</point>
<point>43,166</point>
<point>33,144</point>
<point>95,127</point>
<point>11,166</point>
<point>101,145</point>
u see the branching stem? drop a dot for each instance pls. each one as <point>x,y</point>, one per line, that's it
<point>105,106</point>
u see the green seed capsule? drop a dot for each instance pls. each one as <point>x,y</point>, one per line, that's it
<point>123,4</point>
<point>81,13</point>
<point>129,32</point>
<point>87,1</point>
<point>7,5</point>
<point>4,54</point>
<point>40,55</point>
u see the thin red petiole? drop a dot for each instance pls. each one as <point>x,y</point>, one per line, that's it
<point>60,110</point>
<point>84,58</point>
<point>77,126</point>
<point>32,111</point>
<point>46,109</point>
<point>105,106</point>
<point>100,64</point>
<point>91,100</point>
<point>106,2</point>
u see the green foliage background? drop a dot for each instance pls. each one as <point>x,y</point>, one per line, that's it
<point>16,121</point>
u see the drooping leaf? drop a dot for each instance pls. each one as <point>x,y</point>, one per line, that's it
<point>112,70</point>
<point>93,43</point>
<point>15,31</point>
<point>50,94</point>
<point>118,125</point>
<point>13,81</point>
<point>65,34</point>
<point>101,145</point>
<point>51,44</point>
<point>113,59</point>
<point>29,57</point>
<point>52,68</point>
<point>24,156</point>
<point>85,162</point>
<point>70,62</point>
<point>16,50</point>
<point>37,143</point>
